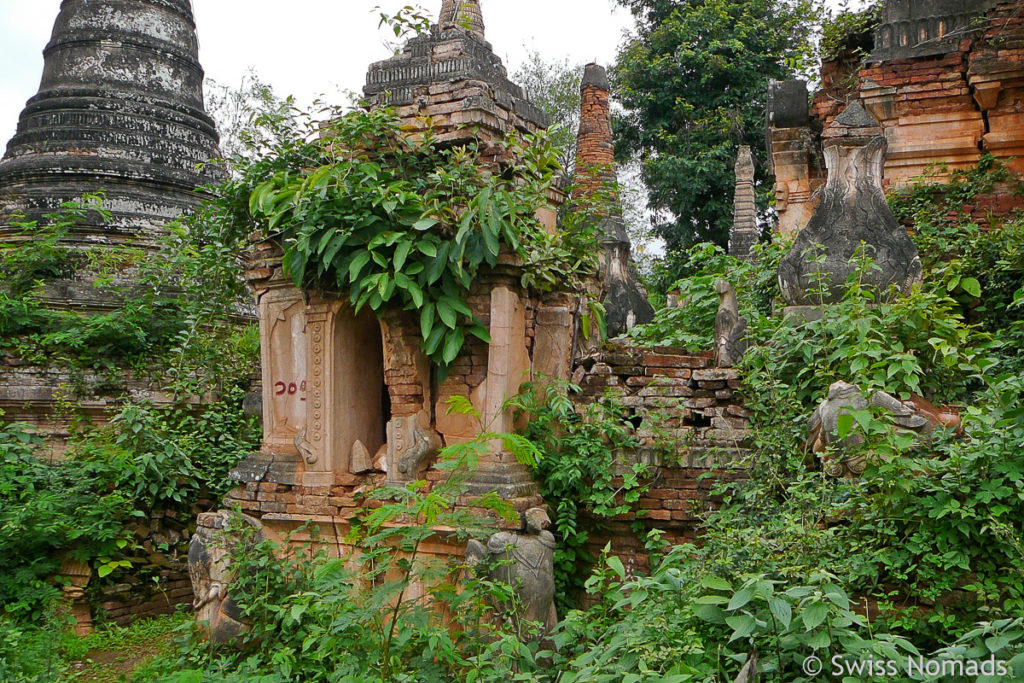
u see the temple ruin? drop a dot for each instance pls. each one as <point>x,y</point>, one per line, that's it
<point>335,427</point>
<point>119,112</point>
<point>944,79</point>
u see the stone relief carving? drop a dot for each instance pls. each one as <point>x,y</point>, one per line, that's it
<point>209,567</point>
<point>526,563</point>
<point>412,443</point>
<point>852,212</point>
<point>730,327</point>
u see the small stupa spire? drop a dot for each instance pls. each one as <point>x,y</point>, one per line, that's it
<point>464,14</point>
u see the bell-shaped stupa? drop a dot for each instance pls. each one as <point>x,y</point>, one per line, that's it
<point>119,110</point>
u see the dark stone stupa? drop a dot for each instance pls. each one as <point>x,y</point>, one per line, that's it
<point>119,109</point>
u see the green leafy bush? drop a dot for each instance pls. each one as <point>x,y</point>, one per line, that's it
<point>583,477</point>
<point>394,220</point>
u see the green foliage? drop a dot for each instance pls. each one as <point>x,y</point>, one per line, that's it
<point>843,26</point>
<point>979,263</point>
<point>50,509</point>
<point>173,309</point>
<point>684,623</point>
<point>320,619</point>
<point>691,324</point>
<point>693,82</point>
<point>173,314</point>
<point>397,221</point>
<point>555,87</point>
<point>583,478</point>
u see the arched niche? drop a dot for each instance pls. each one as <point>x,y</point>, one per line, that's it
<point>349,405</point>
<point>361,403</point>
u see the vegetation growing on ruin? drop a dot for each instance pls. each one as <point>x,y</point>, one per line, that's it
<point>392,220</point>
<point>179,318</point>
<point>921,556</point>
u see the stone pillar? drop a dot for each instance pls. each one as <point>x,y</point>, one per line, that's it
<point>624,299</point>
<point>790,145</point>
<point>508,366</point>
<point>744,234</point>
<point>314,441</point>
<point>283,345</point>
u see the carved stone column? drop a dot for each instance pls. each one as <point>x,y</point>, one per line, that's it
<point>283,341</point>
<point>508,367</point>
<point>313,442</point>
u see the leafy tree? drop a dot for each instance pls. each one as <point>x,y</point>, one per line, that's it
<point>555,87</point>
<point>694,80</point>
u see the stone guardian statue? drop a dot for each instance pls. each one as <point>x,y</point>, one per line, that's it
<point>526,562</point>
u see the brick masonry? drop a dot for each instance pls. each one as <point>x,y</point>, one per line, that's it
<point>693,431</point>
<point>942,104</point>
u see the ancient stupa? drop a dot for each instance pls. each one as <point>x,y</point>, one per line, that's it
<point>119,109</point>
<point>624,299</point>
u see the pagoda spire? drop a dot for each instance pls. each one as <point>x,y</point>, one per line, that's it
<point>464,14</point>
<point>119,110</point>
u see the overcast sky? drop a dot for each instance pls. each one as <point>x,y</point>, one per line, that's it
<point>311,47</point>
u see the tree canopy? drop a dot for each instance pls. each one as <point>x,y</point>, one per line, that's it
<point>693,80</point>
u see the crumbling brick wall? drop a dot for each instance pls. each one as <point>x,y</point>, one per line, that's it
<point>679,400</point>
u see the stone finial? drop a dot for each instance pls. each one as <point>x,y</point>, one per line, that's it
<point>464,14</point>
<point>744,234</point>
<point>852,212</point>
<point>624,299</point>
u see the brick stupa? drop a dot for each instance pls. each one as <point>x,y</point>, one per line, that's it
<point>624,299</point>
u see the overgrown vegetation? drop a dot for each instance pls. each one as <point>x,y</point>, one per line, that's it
<point>917,560</point>
<point>170,313</point>
<point>361,208</point>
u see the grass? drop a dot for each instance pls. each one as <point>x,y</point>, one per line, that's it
<point>114,653</point>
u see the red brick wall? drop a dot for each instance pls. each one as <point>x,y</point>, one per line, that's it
<point>681,397</point>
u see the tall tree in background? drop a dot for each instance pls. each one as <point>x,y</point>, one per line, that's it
<point>555,87</point>
<point>694,79</point>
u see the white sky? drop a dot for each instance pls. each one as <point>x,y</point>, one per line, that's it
<point>311,47</point>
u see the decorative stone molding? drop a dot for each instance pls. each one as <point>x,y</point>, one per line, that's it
<point>923,28</point>
<point>853,212</point>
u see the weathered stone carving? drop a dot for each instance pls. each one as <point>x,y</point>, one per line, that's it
<point>916,415</point>
<point>748,674</point>
<point>730,327</point>
<point>921,28</point>
<point>853,212</point>
<point>209,566</point>
<point>526,563</point>
<point>411,444</point>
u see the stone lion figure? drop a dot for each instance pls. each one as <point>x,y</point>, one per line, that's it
<point>915,415</point>
<point>209,566</point>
